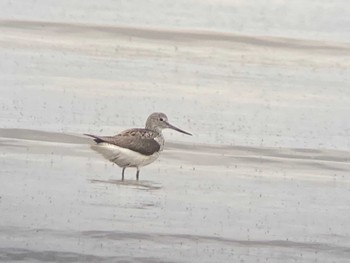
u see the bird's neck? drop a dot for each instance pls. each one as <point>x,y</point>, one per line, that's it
<point>152,128</point>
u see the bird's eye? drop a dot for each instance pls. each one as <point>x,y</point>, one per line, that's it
<point>161,119</point>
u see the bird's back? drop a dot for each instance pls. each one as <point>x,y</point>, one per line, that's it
<point>143,141</point>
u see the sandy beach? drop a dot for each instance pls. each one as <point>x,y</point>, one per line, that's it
<point>264,178</point>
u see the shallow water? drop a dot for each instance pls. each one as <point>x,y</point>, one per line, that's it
<point>265,178</point>
<point>60,201</point>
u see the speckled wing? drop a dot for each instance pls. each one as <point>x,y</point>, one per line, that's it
<point>138,140</point>
<point>141,133</point>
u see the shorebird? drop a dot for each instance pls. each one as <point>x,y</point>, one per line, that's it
<point>135,147</point>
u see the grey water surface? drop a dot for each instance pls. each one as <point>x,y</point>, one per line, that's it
<point>263,88</point>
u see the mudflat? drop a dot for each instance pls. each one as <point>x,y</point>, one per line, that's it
<point>265,176</point>
<point>61,201</point>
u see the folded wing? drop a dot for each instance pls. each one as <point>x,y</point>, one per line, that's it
<point>143,145</point>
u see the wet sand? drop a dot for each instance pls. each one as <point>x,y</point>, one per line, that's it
<point>265,178</point>
<point>231,89</point>
<point>61,201</point>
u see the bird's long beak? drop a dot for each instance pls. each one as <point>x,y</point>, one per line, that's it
<point>176,129</point>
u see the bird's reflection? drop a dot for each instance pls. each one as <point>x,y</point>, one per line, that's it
<point>140,185</point>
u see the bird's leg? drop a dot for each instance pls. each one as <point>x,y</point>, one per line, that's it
<point>137,174</point>
<point>123,173</point>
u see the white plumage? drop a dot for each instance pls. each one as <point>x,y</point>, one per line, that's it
<point>124,157</point>
<point>135,147</point>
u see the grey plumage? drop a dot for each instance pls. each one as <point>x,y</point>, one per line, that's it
<point>137,140</point>
<point>135,147</point>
